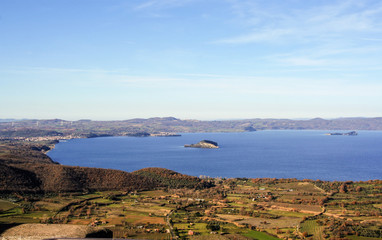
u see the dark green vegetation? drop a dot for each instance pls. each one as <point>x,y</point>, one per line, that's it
<point>171,179</point>
<point>24,167</point>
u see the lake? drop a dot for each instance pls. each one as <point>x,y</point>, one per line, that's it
<point>272,153</point>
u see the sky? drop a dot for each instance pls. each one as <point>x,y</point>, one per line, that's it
<point>190,59</point>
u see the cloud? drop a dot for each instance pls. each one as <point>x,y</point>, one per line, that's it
<point>269,23</point>
<point>333,56</point>
<point>220,84</point>
<point>256,85</point>
<point>337,35</point>
<point>161,4</point>
<point>261,35</point>
<point>372,39</point>
<point>303,61</point>
<point>145,5</point>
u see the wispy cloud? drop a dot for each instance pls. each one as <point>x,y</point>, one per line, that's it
<point>331,56</point>
<point>303,61</point>
<point>161,4</point>
<point>372,39</point>
<point>218,83</point>
<point>337,34</point>
<point>275,23</point>
<point>145,5</point>
<point>255,85</point>
<point>260,35</point>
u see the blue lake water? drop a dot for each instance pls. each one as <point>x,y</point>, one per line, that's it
<point>278,154</point>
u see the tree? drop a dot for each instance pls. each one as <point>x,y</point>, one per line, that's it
<point>343,188</point>
<point>213,226</point>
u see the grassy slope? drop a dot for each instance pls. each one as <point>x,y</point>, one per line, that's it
<point>260,235</point>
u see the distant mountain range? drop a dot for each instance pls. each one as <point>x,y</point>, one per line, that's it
<point>171,124</point>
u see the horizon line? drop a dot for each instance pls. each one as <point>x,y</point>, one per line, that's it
<point>185,119</point>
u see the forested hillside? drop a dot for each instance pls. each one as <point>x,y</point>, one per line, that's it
<point>24,167</point>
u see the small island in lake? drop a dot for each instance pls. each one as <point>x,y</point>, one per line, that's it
<point>352,133</point>
<point>203,144</point>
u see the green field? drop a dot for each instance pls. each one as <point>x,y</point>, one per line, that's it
<point>362,238</point>
<point>312,228</point>
<point>245,212</point>
<point>6,205</point>
<point>260,235</point>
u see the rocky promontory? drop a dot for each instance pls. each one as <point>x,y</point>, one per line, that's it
<point>203,144</point>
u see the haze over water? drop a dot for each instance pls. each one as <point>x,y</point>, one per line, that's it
<point>275,154</point>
